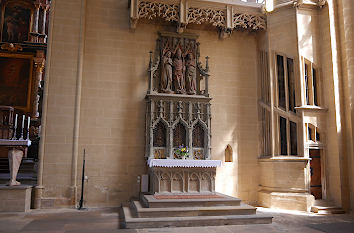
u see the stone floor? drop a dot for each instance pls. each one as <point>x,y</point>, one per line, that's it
<point>107,221</point>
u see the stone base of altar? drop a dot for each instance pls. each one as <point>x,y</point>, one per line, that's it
<point>15,198</point>
<point>182,194</point>
<point>175,176</point>
<point>168,210</point>
<point>176,180</point>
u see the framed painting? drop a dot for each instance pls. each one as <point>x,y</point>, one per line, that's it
<point>16,23</point>
<point>16,80</point>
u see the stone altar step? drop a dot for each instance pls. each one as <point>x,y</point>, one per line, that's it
<point>162,201</point>
<point>143,212</point>
<point>324,207</point>
<point>132,222</point>
<point>185,210</point>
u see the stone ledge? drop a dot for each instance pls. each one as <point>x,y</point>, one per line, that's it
<point>286,200</point>
<point>284,159</point>
<point>311,108</point>
<point>17,187</point>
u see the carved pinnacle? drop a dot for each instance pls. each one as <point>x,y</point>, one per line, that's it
<point>180,107</point>
<point>160,107</point>
<point>207,64</point>
<point>150,62</point>
<point>199,108</point>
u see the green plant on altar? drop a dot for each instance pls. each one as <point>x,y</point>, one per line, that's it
<point>182,152</point>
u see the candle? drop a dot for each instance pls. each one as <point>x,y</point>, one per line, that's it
<point>23,121</point>
<point>16,121</point>
<point>28,122</point>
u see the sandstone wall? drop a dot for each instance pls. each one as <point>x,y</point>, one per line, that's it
<point>114,84</point>
<point>59,106</point>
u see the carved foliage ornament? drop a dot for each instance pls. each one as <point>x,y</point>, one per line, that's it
<point>150,10</point>
<point>11,47</point>
<point>254,22</point>
<point>212,16</point>
<point>217,17</point>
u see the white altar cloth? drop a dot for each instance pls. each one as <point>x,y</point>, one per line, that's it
<point>9,142</point>
<point>183,163</point>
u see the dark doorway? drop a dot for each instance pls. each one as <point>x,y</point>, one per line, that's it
<point>315,168</point>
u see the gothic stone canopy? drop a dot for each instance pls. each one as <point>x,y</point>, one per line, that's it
<point>227,17</point>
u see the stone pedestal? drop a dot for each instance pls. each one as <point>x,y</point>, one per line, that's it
<point>15,198</point>
<point>291,192</point>
<point>173,176</point>
<point>17,150</point>
<point>15,158</point>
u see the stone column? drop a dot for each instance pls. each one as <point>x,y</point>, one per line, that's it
<point>346,8</point>
<point>39,63</point>
<point>339,104</point>
<point>15,157</point>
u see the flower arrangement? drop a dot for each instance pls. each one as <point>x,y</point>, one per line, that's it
<point>182,152</point>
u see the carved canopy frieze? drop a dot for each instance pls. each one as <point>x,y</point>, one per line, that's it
<point>254,22</point>
<point>226,17</point>
<point>150,10</point>
<point>204,15</point>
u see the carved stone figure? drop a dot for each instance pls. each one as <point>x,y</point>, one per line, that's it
<point>190,74</point>
<point>166,75</point>
<point>179,68</point>
<point>15,158</point>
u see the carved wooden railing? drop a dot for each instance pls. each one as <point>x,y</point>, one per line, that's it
<point>13,126</point>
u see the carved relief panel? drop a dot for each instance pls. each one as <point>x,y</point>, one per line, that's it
<point>177,69</point>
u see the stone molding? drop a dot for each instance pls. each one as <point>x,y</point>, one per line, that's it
<point>307,4</point>
<point>226,17</point>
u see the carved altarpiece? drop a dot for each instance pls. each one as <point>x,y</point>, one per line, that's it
<point>178,103</point>
<point>178,115</point>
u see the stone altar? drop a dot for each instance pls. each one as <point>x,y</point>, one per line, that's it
<point>177,176</point>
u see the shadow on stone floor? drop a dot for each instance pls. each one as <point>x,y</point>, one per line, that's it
<point>107,221</point>
<point>342,227</point>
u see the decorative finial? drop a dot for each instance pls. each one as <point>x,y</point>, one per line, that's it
<point>150,62</point>
<point>207,64</point>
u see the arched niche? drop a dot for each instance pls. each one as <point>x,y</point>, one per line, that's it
<point>160,135</point>
<point>228,154</point>
<point>198,136</point>
<point>160,140</point>
<point>179,135</point>
<point>198,141</point>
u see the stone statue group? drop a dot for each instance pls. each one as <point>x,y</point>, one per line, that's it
<point>178,73</point>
